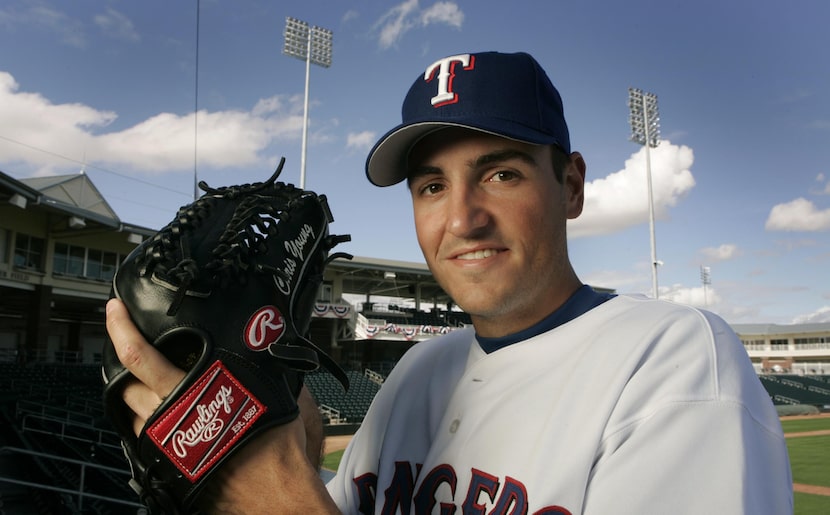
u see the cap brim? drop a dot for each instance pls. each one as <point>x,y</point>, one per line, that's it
<point>387,162</point>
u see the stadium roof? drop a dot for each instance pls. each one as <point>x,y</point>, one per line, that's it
<point>773,329</point>
<point>390,278</point>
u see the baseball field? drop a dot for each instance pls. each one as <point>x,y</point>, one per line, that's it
<point>808,441</point>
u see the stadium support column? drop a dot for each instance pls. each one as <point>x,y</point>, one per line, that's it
<point>37,322</point>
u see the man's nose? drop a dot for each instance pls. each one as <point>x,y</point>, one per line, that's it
<point>467,215</point>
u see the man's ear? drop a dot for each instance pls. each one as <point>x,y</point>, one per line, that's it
<point>574,184</point>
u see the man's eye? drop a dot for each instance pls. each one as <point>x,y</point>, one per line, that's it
<point>431,189</point>
<point>502,176</point>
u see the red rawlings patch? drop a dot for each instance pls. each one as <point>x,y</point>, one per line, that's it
<point>264,328</point>
<point>206,421</point>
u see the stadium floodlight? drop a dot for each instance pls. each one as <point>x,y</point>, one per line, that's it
<point>706,279</point>
<point>312,45</point>
<point>645,130</point>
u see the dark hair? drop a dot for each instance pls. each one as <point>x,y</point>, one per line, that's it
<point>559,159</point>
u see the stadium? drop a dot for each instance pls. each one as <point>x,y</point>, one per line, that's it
<point>60,244</point>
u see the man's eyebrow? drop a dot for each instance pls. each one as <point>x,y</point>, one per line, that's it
<point>420,171</point>
<point>497,156</point>
<point>506,154</point>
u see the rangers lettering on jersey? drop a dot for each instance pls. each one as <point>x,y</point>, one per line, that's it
<point>486,493</point>
<point>446,73</point>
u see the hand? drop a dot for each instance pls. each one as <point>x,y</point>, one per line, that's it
<point>155,376</point>
<point>275,472</point>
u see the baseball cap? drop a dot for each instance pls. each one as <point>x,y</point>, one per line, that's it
<point>505,94</point>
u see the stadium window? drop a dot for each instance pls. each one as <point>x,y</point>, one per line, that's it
<point>28,252</point>
<point>325,292</point>
<point>75,261</point>
<point>94,263</point>
<point>101,265</point>
<point>69,260</point>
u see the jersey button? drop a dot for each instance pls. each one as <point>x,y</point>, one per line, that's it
<point>454,425</point>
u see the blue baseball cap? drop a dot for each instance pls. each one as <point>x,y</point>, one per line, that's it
<point>507,95</point>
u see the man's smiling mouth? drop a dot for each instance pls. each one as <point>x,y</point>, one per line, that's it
<point>478,254</point>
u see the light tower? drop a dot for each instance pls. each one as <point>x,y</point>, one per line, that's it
<point>706,279</point>
<point>312,45</point>
<point>645,130</point>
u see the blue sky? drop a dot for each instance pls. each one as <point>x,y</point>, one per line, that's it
<point>741,176</point>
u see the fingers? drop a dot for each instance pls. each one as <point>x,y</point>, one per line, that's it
<point>142,400</point>
<point>143,360</point>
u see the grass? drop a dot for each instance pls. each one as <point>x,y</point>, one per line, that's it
<point>810,459</point>
<point>332,460</point>
<point>806,504</point>
<point>805,424</point>
<point>810,463</point>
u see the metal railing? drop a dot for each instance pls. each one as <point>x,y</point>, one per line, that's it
<point>332,414</point>
<point>374,376</point>
<point>70,430</point>
<point>79,493</point>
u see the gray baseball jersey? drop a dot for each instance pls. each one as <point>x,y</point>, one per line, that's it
<point>635,406</point>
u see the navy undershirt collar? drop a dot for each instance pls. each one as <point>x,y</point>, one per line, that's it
<point>583,300</point>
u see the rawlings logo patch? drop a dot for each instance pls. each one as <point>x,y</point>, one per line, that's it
<point>206,421</point>
<point>264,328</point>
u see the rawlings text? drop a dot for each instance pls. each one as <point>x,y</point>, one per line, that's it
<point>202,425</point>
<point>208,424</point>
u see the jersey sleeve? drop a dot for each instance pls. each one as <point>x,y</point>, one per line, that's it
<point>722,452</point>
<point>736,465</point>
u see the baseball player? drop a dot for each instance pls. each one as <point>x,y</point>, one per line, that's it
<point>559,400</point>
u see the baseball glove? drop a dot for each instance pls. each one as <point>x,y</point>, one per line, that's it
<point>226,292</point>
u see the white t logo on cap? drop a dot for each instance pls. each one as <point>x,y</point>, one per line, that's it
<point>446,72</point>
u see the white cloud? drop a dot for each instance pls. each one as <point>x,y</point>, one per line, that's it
<point>116,25</point>
<point>822,179</point>
<point>360,140</point>
<point>40,17</point>
<point>30,120</point>
<point>266,106</point>
<point>724,252</point>
<point>44,135</point>
<point>620,200</point>
<point>443,12</point>
<point>226,138</point>
<point>350,15</point>
<point>402,18</point>
<point>697,296</point>
<point>798,215</point>
<point>621,281</point>
<point>821,315</point>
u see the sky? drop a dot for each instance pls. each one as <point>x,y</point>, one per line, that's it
<point>148,97</point>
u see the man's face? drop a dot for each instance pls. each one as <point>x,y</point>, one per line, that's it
<point>490,217</point>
